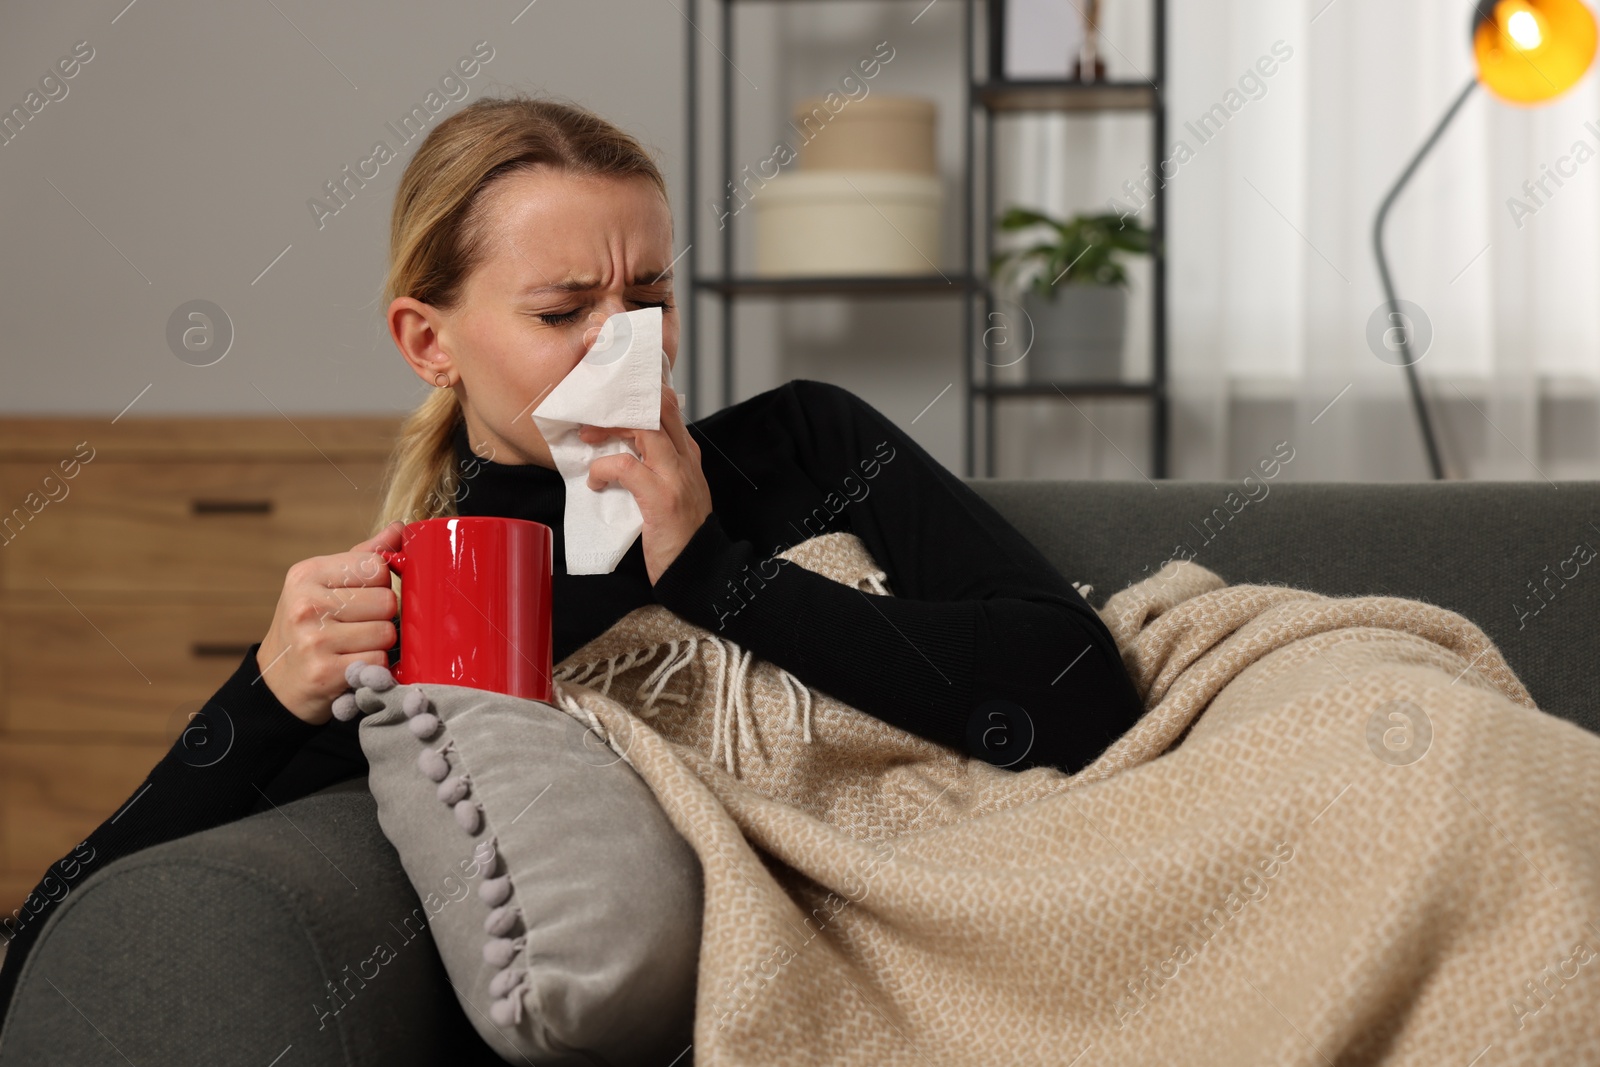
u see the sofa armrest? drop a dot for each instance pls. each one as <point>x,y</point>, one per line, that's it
<point>236,944</point>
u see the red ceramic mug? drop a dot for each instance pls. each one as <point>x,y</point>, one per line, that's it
<point>475,604</point>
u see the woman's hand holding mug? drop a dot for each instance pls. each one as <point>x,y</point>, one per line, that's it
<point>334,610</point>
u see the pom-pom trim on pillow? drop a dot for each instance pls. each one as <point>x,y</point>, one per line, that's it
<point>503,945</point>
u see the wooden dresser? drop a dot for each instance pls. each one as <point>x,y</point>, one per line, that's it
<point>138,561</point>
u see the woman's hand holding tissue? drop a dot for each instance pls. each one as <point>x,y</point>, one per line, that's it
<point>666,481</point>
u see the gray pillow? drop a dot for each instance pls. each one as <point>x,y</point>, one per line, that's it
<point>564,904</point>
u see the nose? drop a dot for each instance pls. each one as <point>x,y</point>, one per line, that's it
<point>604,309</point>
<point>592,330</point>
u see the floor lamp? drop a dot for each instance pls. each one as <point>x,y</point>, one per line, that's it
<point>1527,52</point>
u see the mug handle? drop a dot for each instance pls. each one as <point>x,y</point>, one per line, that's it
<point>397,563</point>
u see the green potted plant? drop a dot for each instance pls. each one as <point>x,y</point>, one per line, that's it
<point>1076,294</point>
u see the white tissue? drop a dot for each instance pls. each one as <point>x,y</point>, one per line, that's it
<point>617,383</point>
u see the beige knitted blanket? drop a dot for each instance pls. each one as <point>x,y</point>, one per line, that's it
<point>1341,834</point>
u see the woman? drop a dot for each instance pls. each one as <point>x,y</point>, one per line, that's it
<point>518,227</point>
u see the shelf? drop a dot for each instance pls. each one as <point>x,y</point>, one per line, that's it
<point>1057,95</point>
<point>1026,389</point>
<point>884,285</point>
<point>983,100</point>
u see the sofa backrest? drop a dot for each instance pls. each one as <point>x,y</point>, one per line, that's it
<point>1520,559</point>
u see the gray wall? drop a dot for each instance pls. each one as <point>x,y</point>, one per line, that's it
<point>179,163</point>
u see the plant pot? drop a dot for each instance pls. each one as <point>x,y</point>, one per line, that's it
<point>1078,336</point>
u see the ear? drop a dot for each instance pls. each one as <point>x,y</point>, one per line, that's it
<point>416,330</point>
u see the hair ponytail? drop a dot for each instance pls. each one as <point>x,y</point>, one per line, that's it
<point>419,480</point>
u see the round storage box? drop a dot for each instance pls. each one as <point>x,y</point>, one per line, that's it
<point>838,222</point>
<point>874,133</point>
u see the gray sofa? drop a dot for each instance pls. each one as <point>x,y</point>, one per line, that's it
<point>215,948</point>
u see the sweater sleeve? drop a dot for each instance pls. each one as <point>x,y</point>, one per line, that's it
<point>214,773</point>
<point>983,647</point>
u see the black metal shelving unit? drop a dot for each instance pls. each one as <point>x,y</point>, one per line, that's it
<point>990,97</point>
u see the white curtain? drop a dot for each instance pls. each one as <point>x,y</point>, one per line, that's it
<point>1271,275</point>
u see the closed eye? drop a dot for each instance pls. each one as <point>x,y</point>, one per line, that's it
<point>562,318</point>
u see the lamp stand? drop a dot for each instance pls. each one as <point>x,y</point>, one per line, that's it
<point>1424,423</point>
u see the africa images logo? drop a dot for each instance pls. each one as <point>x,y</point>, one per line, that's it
<point>341,190</point>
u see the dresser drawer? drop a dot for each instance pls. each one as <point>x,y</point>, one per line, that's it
<point>104,668</point>
<point>179,527</point>
<point>53,794</point>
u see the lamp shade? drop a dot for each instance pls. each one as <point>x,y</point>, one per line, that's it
<point>1529,51</point>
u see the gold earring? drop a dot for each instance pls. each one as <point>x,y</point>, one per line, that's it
<point>437,383</point>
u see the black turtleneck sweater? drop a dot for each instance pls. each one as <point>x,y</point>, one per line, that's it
<point>984,646</point>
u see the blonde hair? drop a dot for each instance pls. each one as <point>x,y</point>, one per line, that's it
<point>437,237</point>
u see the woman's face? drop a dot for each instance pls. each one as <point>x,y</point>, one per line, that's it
<point>563,253</point>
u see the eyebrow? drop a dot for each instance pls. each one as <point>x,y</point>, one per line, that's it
<point>584,285</point>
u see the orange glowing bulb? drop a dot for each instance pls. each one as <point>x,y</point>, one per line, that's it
<point>1530,51</point>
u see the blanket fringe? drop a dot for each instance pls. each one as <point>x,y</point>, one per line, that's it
<point>733,727</point>
<point>568,703</point>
